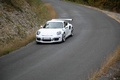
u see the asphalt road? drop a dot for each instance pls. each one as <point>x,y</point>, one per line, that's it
<point>95,36</point>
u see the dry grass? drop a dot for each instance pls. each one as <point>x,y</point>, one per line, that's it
<point>52,11</point>
<point>1,14</point>
<point>113,16</point>
<point>44,11</point>
<point>110,61</point>
<point>17,43</point>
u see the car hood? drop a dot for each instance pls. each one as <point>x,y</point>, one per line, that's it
<point>49,32</point>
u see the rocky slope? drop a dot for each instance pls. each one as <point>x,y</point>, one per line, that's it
<point>17,20</point>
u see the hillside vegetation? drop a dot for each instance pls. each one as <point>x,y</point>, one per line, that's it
<point>112,5</point>
<point>19,20</point>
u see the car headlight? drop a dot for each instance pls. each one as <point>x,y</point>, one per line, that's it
<point>38,32</point>
<point>59,32</point>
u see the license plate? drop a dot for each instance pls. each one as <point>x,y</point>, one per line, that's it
<point>46,38</point>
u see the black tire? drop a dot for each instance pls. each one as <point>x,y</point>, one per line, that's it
<point>37,42</point>
<point>63,38</point>
<point>71,33</point>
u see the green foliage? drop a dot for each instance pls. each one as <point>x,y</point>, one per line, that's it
<point>17,4</point>
<point>6,1</point>
<point>33,2</point>
<point>91,2</point>
<point>11,3</point>
<point>112,5</point>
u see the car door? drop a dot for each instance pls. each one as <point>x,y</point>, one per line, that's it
<point>66,26</point>
<point>70,29</point>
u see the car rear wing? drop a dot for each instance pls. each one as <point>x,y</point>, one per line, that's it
<point>68,20</point>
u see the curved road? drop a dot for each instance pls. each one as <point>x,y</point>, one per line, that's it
<point>95,36</point>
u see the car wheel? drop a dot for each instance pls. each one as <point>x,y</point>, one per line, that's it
<point>71,32</point>
<point>37,42</point>
<point>63,38</point>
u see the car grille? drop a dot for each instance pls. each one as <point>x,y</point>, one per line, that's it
<point>46,39</point>
<point>39,39</point>
<point>56,39</point>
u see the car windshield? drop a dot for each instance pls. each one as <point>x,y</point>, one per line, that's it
<point>53,25</point>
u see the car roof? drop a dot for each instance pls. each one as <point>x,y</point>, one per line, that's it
<point>56,20</point>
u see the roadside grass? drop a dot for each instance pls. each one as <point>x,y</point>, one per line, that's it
<point>112,60</point>
<point>16,44</point>
<point>52,11</point>
<point>46,12</point>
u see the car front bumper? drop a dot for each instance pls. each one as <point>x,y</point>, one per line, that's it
<point>48,39</point>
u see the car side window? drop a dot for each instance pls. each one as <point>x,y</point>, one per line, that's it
<point>65,24</point>
<point>69,27</point>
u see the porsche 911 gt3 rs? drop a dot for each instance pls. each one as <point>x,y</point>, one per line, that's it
<point>55,30</point>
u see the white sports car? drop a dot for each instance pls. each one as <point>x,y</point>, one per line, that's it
<point>55,30</point>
